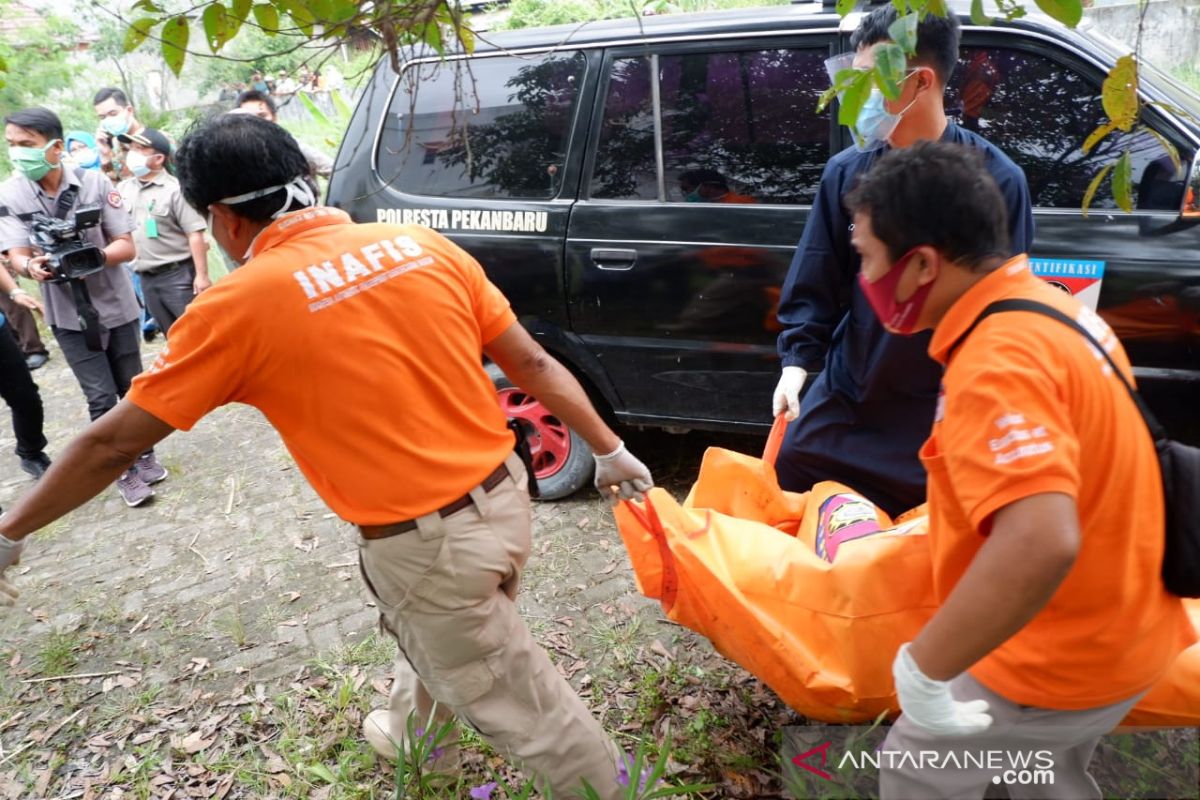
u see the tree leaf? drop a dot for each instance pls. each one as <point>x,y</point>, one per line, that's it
<point>174,42</point>
<point>313,108</point>
<point>844,7</point>
<point>216,29</point>
<point>890,65</point>
<point>852,100</point>
<point>149,6</point>
<point>432,36</point>
<point>139,29</point>
<point>904,32</point>
<point>977,13</point>
<point>466,37</point>
<point>1068,12</point>
<point>300,13</point>
<point>267,17</point>
<point>321,9</point>
<point>1119,93</point>
<point>240,10</point>
<point>343,10</point>
<point>937,7</point>
<point>1122,182</point>
<point>1095,136</point>
<point>1093,187</point>
<point>3,65</point>
<point>901,7</point>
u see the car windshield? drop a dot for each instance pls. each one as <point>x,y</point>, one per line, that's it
<point>1180,86</point>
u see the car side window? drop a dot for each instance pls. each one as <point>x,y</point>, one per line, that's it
<point>736,127</point>
<point>487,128</point>
<point>1040,112</point>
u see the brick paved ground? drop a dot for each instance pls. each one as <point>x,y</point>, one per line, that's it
<point>236,575</point>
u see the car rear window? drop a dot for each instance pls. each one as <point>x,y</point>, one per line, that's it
<point>488,128</point>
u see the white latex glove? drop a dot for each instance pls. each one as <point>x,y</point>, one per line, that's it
<point>8,593</point>
<point>787,392</point>
<point>10,552</point>
<point>622,470</point>
<point>929,705</point>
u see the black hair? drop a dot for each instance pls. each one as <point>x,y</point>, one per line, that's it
<point>937,38</point>
<point>937,194</point>
<point>233,154</point>
<point>250,95</point>
<point>695,177</point>
<point>116,94</point>
<point>39,119</point>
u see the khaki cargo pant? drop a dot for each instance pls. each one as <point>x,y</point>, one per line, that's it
<point>446,594</point>
<point>1068,737</point>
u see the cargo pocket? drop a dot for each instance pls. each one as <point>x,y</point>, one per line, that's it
<point>505,717</point>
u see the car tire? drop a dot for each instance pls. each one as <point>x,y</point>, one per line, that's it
<point>562,460</point>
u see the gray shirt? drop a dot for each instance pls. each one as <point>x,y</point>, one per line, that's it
<point>110,288</point>
<point>162,220</point>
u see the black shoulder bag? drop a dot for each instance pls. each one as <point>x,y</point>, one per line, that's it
<point>1180,465</point>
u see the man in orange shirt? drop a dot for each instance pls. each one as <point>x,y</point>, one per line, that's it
<point>405,439</point>
<point>1045,497</point>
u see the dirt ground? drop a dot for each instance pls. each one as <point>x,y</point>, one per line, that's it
<point>218,643</point>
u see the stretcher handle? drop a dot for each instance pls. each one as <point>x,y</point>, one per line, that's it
<point>775,440</point>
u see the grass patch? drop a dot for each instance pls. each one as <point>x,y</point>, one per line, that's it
<point>57,656</point>
<point>373,651</point>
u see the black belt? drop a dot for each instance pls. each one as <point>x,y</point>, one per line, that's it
<point>165,267</point>
<point>396,528</point>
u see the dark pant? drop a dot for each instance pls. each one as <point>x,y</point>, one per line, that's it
<point>104,375</point>
<point>168,293</point>
<point>23,326</point>
<point>21,394</point>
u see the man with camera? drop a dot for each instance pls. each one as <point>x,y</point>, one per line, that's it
<point>83,232</point>
<point>172,260</point>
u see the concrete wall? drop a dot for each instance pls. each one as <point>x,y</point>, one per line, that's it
<point>1171,37</point>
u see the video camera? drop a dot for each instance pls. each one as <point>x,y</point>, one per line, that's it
<point>71,256</point>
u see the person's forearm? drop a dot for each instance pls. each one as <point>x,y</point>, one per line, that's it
<point>1009,581</point>
<point>119,251</point>
<point>7,284</point>
<point>199,247</point>
<point>557,389</point>
<point>92,461</point>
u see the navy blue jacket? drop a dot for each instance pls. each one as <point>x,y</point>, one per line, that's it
<point>867,413</point>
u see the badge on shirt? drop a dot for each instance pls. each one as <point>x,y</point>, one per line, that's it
<point>151,228</point>
<point>114,199</point>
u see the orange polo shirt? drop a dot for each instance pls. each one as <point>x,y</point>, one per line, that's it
<point>362,345</point>
<point>1029,407</point>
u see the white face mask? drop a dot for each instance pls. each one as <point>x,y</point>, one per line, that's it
<point>137,163</point>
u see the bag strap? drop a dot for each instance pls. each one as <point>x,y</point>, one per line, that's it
<point>66,198</point>
<point>1019,304</point>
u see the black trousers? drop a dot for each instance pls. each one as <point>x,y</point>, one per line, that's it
<point>21,394</point>
<point>104,375</point>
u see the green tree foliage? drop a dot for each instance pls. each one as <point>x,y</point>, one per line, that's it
<point>540,13</point>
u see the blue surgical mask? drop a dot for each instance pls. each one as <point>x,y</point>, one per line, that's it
<point>117,125</point>
<point>86,157</point>
<point>875,124</point>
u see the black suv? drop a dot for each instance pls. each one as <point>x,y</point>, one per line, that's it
<point>637,189</point>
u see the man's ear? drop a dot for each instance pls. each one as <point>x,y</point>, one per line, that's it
<point>929,264</point>
<point>231,221</point>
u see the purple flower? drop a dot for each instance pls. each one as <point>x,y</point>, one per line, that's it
<point>484,792</point>
<point>624,779</point>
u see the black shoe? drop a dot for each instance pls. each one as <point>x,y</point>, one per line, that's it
<point>36,465</point>
<point>36,360</point>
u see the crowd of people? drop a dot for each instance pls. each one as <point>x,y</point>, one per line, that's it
<point>1024,443</point>
<point>284,84</point>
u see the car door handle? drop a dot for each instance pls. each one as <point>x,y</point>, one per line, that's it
<point>613,259</point>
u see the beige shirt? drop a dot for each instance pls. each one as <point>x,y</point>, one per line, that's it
<point>165,240</point>
<point>110,289</point>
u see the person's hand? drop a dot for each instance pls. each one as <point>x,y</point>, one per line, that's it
<point>619,475</point>
<point>8,593</point>
<point>787,392</point>
<point>24,298</point>
<point>201,283</point>
<point>35,267</point>
<point>929,705</point>
<point>10,552</point>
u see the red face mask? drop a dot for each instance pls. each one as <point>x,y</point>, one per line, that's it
<point>896,317</point>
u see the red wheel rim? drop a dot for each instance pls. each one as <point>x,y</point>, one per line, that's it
<point>549,439</point>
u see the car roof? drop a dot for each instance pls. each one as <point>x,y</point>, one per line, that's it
<point>796,16</point>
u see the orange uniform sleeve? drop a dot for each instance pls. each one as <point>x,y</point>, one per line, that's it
<point>198,370</point>
<point>1006,432</point>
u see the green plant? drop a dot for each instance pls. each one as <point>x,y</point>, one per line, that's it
<point>57,656</point>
